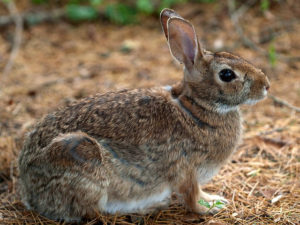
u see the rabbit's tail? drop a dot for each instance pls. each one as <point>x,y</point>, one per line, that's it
<point>76,148</point>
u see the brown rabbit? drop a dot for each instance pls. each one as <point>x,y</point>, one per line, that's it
<point>127,151</point>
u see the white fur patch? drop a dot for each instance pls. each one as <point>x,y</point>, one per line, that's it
<point>265,92</point>
<point>221,108</point>
<point>167,88</point>
<point>251,101</point>
<point>254,101</point>
<point>206,172</point>
<point>132,205</point>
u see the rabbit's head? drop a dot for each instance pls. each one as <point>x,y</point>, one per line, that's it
<point>220,80</point>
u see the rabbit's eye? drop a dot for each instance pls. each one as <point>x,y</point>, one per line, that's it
<point>227,75</point>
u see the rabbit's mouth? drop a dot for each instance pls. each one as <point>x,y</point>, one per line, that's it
<point>254,101</point>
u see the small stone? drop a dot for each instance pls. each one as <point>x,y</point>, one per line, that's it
<point>218,44</point>
<point>234,214</point>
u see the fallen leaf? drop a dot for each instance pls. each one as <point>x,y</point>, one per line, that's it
<point>276,199</point>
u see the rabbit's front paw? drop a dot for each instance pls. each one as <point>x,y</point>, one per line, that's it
<point>209,198</point>
<point>210,207</point>
<point>211,204</point>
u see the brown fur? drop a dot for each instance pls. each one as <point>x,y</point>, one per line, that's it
<point>189,189</point>
<point>121,149</point>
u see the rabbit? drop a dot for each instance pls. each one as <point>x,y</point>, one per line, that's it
<point>128,151</point>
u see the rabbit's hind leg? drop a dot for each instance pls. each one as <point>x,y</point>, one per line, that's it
<point>66,179</point>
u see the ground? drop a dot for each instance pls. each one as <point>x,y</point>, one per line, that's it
<point>61,62</point>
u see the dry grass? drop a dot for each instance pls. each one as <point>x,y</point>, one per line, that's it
<point>262,181</point>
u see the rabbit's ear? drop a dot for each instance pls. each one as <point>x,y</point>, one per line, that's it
<point>183,42</point>
<point>165,15</point>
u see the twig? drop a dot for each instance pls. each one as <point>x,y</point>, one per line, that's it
<point>275,30</point>
<point>18,35</point>
<point>280,129</point>
<point>284,103</point>
<point>252,189</point>
<point>274,141</point>
<point>262,134</point>
<point>235,16</point>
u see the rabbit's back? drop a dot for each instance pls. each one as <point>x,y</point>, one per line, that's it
<point>129,116</point>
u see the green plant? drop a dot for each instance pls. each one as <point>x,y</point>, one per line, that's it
<point>120,13</point>
<point>264,5</point>
<point>168,3</point>
<point>253,173</point>
<point>96,3</point>
<point>272,55</point>
<point>206,204</point>
<point>76,12</point>
<point>39,1</point>
<point>145,6</point>
<point>79,12</point>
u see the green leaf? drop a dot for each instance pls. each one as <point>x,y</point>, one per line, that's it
<point>219,204</point>
<point>169,3</point>
<point>145,6</point>
<point>95,3</point>
<point>253,173</point>
<point>37,2</point>
<point>204,203</point>
<point>272,55</point>
<point>120,13</point>
<point>264,5</point>
<point>80,13</point>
